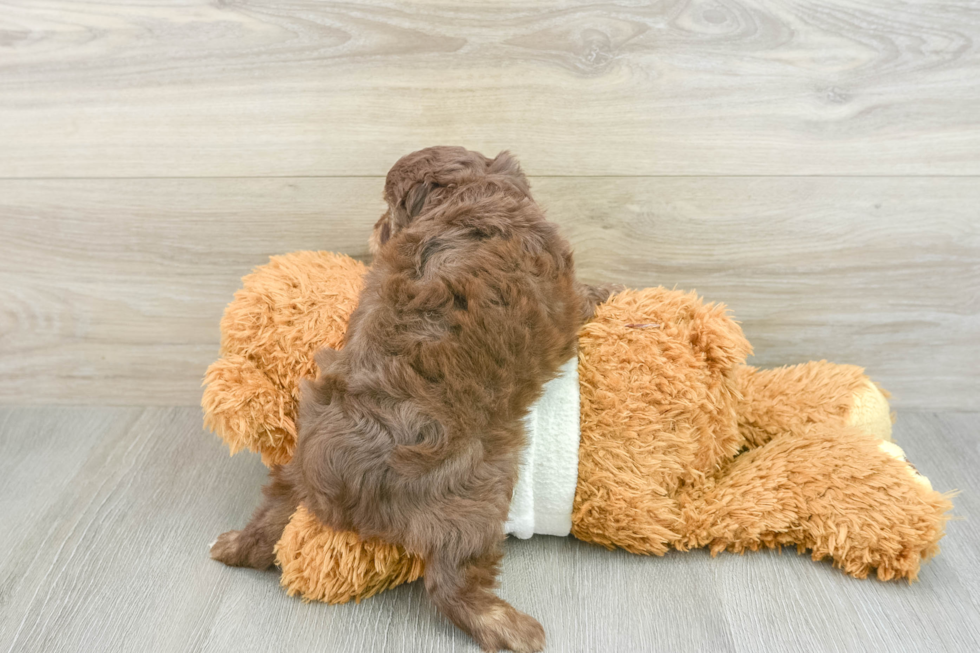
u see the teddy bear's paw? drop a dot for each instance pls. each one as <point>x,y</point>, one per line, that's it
<point>503,627</point>
<point>870,411</point>
<point>238,550</point>
<point>248,410</point>
<point>896,452</point>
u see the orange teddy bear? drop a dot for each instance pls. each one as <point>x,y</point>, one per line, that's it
<point>672,440</point>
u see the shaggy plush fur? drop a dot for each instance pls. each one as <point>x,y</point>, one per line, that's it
<point>682,444</point>
<point>412,432</point>
<point>786,401</point>
<point>285,312</point>
<point>656,372</point>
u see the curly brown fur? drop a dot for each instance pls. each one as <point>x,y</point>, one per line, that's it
<point>413,431</point>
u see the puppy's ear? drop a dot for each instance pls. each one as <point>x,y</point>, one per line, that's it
<point>415,198</point>
<point>380,234</point>
<point>411,205</point>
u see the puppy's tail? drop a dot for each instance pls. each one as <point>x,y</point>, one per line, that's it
<point>592,296</point>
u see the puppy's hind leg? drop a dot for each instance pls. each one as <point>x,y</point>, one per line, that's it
<point>254,545</point>
<point>462,590</point>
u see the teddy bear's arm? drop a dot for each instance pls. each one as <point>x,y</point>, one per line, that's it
<point>247,410</point>
<point>321,564</point>
<point>834,491</point>
<point>789,399</point>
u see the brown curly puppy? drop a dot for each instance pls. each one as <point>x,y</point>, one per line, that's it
<point>413,431</point>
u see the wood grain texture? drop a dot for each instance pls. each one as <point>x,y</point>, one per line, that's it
<point>111,290</point>
<point>302,87</point>
<point>108,513</point>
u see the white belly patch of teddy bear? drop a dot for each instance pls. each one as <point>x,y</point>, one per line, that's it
<point>545,490</point>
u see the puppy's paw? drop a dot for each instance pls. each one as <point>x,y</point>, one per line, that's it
<point>526,634</point>
<point>226,549</point>
<point>235,549</point>
<point>506,628</point>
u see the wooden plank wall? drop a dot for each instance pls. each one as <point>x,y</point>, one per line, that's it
<point>815,165</point>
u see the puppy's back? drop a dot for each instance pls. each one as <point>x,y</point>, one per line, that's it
<point>475,304</point>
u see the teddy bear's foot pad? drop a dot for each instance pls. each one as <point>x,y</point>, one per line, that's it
<point>898,453</point>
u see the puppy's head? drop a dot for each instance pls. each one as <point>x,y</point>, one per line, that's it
<point>422,180</point>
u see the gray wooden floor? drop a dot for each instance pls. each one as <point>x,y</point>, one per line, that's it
<point>107,514</point>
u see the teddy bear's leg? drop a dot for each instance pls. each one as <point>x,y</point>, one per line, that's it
<point>254,546</point>
<point>835,491</point>
<point>789,399</point>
